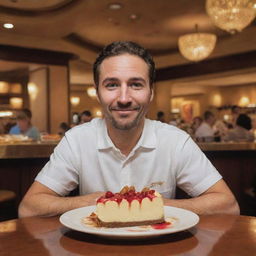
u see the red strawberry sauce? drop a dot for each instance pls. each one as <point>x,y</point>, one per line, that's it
<point>161,225</point>
<point>129,196</point>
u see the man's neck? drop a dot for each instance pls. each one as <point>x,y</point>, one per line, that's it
<point>125,140</point>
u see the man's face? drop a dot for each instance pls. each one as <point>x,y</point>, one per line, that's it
<point>23,124</point>
<point>124,91</point>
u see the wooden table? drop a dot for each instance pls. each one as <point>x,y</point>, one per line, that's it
<point>214,235</point>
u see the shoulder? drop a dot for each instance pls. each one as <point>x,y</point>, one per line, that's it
<point>34,129</point>
<point>86,131</point>
<point>15,129</point>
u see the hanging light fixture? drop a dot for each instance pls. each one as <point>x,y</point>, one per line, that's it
<point>197,46</point>
<point>231,15</point>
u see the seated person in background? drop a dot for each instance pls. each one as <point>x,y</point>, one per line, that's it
<point>24,125</point>
<point>235,111</point>
<point>196,122</point>
<point>206,132</point>
<point>63,127</point>
<point>221,127</point>
<point>160,116</point>
<point>126,148</point>
<point>241,132</point>
<point>85,116</point>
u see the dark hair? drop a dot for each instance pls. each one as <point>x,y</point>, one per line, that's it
<point>208,114</point>
<point>86,113</point>
<point>160,114</point>
<point>24,113</point>
<point>64,126</point>
<point>122,47</point>
<point>244,121</point>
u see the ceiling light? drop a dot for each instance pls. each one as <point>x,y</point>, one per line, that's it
<point>8,25</point>
<point>231,15</point>
<point>115,6</point>
<point>91,91</point>
<point>197,46</point>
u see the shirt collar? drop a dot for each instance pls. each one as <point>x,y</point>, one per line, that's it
<point>147,139</point>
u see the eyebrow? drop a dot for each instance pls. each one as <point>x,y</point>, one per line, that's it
<point>113,79</point>
<point>137,79</point>
<point>110,79</point>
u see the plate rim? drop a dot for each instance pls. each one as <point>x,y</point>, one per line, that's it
<point>113,232</point>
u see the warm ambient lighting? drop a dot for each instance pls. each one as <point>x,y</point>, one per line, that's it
<point>244,101</point>
<point>216,100</point>
<point>98,113</point>
<point>16,102</point>
<point>16,88</point>
<point>231,15</point>
<point>175,110</point>
<point>197,46</point>
<point>91,91</point>
<point>4,87</point>
<point>115,6</point>
<point>8,25</point>
<point>6,113</point>
<point>32,90</point>
<point>75,101</point>
<point>226,118</point>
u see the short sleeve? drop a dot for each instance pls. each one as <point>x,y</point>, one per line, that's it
<point>195,173</point>
<point>60,174</point>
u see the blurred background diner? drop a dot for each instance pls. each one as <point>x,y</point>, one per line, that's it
<point>24,125</point>
<point>205,78</point>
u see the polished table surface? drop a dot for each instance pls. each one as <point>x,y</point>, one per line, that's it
<point>214,235</point>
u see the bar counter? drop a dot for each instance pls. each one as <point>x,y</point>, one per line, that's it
<point>227,146</point>
<point>20,163</point>
<point>26,150</point>
<point>44,149</point>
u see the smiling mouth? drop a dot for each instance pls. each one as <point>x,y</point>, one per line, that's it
<point>125,109</point>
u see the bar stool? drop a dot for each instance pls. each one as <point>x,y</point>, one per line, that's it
<point>7,205</point>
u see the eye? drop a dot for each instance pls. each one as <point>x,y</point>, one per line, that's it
<point>136,85</point>
<point>111,85</point>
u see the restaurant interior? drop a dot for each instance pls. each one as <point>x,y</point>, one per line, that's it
<point>47,49</point>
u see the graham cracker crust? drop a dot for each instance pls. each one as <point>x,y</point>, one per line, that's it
<point>128,224</point>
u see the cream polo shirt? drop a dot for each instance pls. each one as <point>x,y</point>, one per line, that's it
<point>164,157</point>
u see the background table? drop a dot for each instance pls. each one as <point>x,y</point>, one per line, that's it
<point>214,235</point>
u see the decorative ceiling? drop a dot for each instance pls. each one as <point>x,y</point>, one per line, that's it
<point>83,27</point>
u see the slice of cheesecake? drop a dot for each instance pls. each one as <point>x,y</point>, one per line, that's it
<point>130,208</point>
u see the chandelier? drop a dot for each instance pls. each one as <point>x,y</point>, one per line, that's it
<point>231,15</point>
<point>197,46</point>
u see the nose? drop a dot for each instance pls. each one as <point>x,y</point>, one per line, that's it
<point>124,96</point>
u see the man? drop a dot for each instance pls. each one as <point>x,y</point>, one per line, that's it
<point>85,116</point>
<point>205,131</point>
<point>124,148</point>
<point>160,116</point>
<point>24,125</point>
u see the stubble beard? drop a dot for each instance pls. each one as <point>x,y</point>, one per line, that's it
<point>126,126</point>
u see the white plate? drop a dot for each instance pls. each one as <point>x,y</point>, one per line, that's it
<point>180,220</point>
